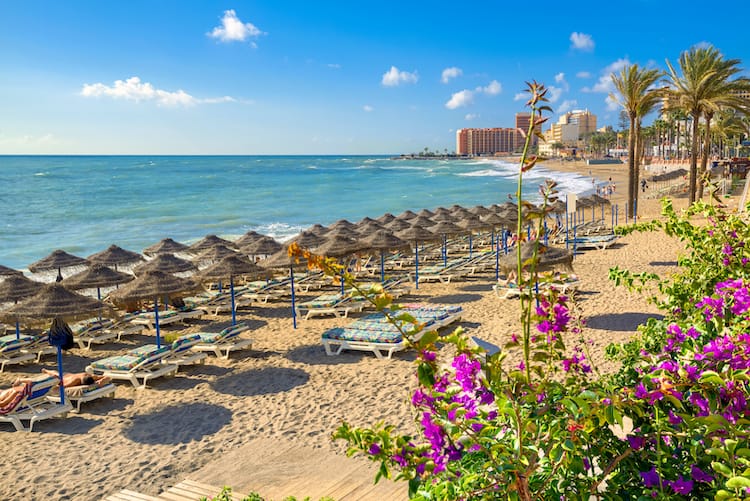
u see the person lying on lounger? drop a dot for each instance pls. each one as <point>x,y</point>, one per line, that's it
<point>10,396</point>
<point>71,379</point>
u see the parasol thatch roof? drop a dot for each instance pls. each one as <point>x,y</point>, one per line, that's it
<point>282,259</point>
<point>365,230</point>
<point>17,287</point>
<point>342,223</point>
<point>166,263</point>
<point>597,199</point>
<point>165,246</point>
<point>55,300</point>
<point>480,210</point>
<point>153,284</point>
<point>5,271</point>
<point>365,221</point>
<point>232,266</point>
<point>114,255</point>
<point>248,238</point>
<point>549,258</point>
<point>337,244</point>
<point>95,276</point>
<point>307,240</point>
<point>262,246</point>
<point>426,213</point>
<point>493,220</point>
<point>417,233</point>
<point>446,228</point>
<point>422,221</point>
<point>386,218</point>
<point>407,215</point>
<point>317,229</point>
<point>58,259</point>
<point>384,240</point>
<point>471,223</point>
<point>209,241</point>
<point>215,253</point>
<point>397,224</point>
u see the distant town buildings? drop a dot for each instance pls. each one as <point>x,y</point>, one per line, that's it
<point>569,131</point>
<point>495,140</point>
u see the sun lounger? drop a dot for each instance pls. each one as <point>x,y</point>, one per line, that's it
<point>78,395</point>
<point>39,347</point>
<point>376,334</point>
<point>104,331</point>
<point>33,405</point>
<point>148,319</point>
<point>11,350</point>
<point>600,242</point>
<point>145,363</point>
<point>329,304</point>
<point>224,341</point>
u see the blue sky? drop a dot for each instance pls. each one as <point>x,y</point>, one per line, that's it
<point>302,77</point>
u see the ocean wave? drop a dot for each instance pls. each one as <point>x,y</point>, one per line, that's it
<point>280,231</point>
<point>485,173</point>
<point>41,174</point>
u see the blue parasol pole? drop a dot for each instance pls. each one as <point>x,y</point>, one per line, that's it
<point>294,311</point>
<point>416,264</point>
<point>231,290</point>
<point>156,322</point>
<point>60,372</point>
<point>18,330</point>
<point>497,259</point>
<point>445,250</point>
<point>470,245</point>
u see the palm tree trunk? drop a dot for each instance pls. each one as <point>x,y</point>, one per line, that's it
<point>632,187</point>
<point>706,153</point>
<point>637,167</point>
<point>693,159</point>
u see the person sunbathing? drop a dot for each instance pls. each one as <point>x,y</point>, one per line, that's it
<point>71,379</point>
<point>9,397</point>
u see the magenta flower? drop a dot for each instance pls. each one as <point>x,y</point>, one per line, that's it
<point>681,486</point>
<point>374,449</point>
<point>650,477</point>
<point>699,475</point>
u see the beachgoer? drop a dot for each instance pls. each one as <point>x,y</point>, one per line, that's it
<point>76,378</point>
<point>643,185</point>
<point>10,396</point>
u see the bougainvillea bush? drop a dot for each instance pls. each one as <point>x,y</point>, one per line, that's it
<point>671,423</point>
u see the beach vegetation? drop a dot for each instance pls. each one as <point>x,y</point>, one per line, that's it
<point>638,96</point>
<point>673,421</point>
<point>705,83</point>
<point>226,495</point>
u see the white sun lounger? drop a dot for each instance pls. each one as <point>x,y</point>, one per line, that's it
<point>11,350</point>
<point>138,366</point>
<point>78,395</point>
<point>224,342</point>
<point>34,405</point>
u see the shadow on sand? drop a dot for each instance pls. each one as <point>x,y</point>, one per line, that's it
<point>314,354</point>
<point>261,381</point>
<point>622,322</point>
<point>178,424</point>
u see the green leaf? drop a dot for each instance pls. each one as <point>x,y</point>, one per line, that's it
<point>738,483</point>
<point>721,468</point>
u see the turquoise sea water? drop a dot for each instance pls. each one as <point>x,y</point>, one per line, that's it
<point>84,204</point>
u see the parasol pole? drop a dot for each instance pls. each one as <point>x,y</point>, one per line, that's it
<point>382,265</point>
<point>60,373</point>
<point>416,264</point>
<point>294,311</point>
<point>156,321</point>
<point>231,289</point>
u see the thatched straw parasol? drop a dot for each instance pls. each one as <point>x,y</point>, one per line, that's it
<point>445,228</point>
<point>383,240</point>
<point>407,215</point>
<point>550,258</point>
<point>264,246</point>
<point>17,287</point>
<point>282,260</point>
<point>307,240</point>
<point>416,233</point>
<point>248,238</point>
<point>365,221</point>
<point>153,285</point>
<point>558,207</point>
<point>95,277</point>
<point>230,267</point>
<point>114,256</point>
<point>338,243</point>
<point>209,241</point>
<point>426,213</point>
<point>397,224</point>
<point>386,218</point>
<point>369,228</point>
<point>5,271</point>
<point>165,246</point>
<point>317,229</point>
<point>55,300</point>
<point>214,254</point>
<point>422,221</point>
<point>342,223</point>
<point>56,261</point>
<point>165,263</point>
<point>480,210</point>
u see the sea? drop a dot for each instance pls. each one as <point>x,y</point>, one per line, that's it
<point>83,204</point>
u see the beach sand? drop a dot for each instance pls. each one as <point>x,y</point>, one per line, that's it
<point>262,421</point>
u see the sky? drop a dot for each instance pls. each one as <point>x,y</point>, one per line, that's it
<point>318,77</point>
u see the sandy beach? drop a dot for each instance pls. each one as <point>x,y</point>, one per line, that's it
<point>262,420</point>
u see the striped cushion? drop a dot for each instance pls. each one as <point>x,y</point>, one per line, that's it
<point>9,343</point>
<point>367,336</point>
<point>147,350</point>
<point>183,343</point>
<point>120,363</point>
<point>210,337</point>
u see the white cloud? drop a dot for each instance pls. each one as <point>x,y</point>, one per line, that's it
<point>604,84</point>
<point>581,41</point>
<point>394,77</point>
<point>368,108</point>
<point>520,96</point>
<point>583,74</point>
<point>449,73</point>
<point>334,66</point>
<point>234,30</point>
<point>133,89</point>
<point>493,88</point>
<point>567,105</point>
<point>703,45</point>
<point>556,92</point>
<point>471,116</point>
<point>560,77</point>
<point>461,98</point>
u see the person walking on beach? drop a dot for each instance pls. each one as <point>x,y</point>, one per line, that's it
<point>643,185</point>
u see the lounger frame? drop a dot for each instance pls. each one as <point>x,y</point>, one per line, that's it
<point>36,407</point>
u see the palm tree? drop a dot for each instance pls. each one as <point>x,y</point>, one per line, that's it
<point>637,96</point>
<point>704,86</point>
